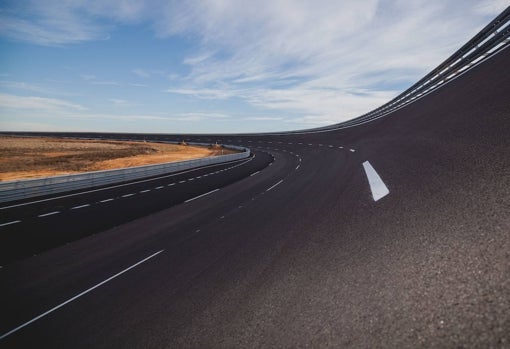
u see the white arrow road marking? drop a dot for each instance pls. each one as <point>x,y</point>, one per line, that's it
<point>379,189</point>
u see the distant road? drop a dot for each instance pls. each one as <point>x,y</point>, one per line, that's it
<point>392,234</point>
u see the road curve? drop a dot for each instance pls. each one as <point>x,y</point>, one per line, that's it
<point>392,234</point>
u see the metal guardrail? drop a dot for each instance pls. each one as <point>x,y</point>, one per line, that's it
<point>29,188</point>
<point>489,41</point>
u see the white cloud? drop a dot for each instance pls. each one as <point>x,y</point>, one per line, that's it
<point>142,73</point>
<point>320,61</point>
<point>37,103</point>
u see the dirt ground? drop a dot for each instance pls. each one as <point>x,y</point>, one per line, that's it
<point>22,158</point>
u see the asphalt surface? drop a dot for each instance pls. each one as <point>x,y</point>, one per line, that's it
<point>298,254</point>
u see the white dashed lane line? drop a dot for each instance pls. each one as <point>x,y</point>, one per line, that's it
<point>2,336</point>
<point>48,214</point>
<point>107,200</point>
<point>144,191</point>
<point>199,196</point>
<point>9,223</point>
<point>78,207</point>
<point>281,180</point>
<point>352,150</point>
<point>127,195</point>
<point>158,188</point>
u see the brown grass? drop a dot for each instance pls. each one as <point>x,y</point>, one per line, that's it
<point>22,157</point>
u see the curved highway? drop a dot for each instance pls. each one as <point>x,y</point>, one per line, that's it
<point>395,233</point>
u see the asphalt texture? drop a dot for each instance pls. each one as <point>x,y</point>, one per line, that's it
<point>290,252</point>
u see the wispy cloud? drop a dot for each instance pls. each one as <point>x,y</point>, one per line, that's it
<point>316,62</point>
<point>326,62</point>
<point>37,103</point>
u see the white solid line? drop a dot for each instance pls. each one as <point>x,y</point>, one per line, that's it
<point>81,206</point>
<point>77,296</point>
<point>9,223</point>
<point>254,173</point>
<point>48,214</point>
<point>107,200</point>
<point>144,191</point>
<point>281,180</point>
<point>196,197</point>
<point>127,195</point>
<point>379,189</point>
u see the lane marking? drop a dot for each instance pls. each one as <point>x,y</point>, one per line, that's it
<point>197,197</point>
<point>281,180</point>
<point>297,167</point>
<point>48,214</point>
<point>182,182</point>
<point>127,184</point>
<point>169,185</point>
<point>127,195</point>
<point>254,173</point>
<point>9,223</point>
<point>78,295</point>
<point>340,147</point>
<point>377,186</point>
<point>81,206</point>
<point>107,200</point>
<point>144,191</point>
<point>352,150</point>
<point>157,188</point>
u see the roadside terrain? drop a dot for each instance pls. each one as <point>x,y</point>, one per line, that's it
<point>27,157</point>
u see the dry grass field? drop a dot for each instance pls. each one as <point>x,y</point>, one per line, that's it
<point>22,158</point>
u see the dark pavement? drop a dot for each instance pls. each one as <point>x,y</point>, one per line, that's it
<point>298,254</point>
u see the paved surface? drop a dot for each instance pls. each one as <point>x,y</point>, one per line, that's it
<point>298,254</point>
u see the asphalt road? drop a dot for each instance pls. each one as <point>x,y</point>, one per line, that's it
<point>313,250</point>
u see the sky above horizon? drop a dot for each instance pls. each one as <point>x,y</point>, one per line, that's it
<point>218,66</point>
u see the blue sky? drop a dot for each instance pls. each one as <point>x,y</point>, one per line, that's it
<point>221,65</point>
